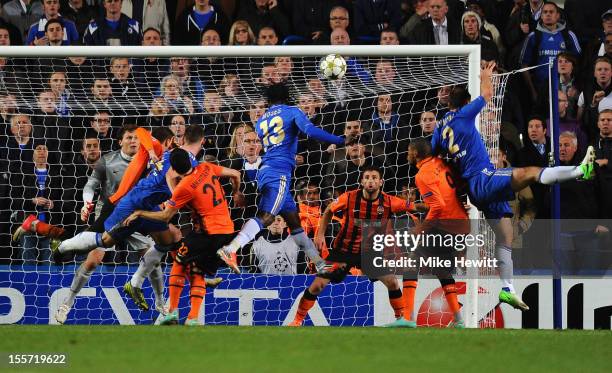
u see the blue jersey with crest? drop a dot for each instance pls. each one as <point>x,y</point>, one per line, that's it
<point>456,136</point>
<point>153,190</point>
<point>278,130</point>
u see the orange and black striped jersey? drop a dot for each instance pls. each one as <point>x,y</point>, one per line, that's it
<point>356,209</point>
<point>138,164</point>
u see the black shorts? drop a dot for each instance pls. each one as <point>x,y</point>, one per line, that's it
<point>351,260</point>
<point>107,210</point>
<point>202,250</point>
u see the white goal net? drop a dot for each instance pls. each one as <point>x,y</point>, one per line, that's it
<point>62,114</point>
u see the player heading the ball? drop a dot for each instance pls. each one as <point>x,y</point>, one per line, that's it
<point>278,128</point>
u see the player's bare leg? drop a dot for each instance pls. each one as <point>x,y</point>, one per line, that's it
<point>523,177</point>
<point>308,300</point>
<point>81,278</point>
<point>503,253</point>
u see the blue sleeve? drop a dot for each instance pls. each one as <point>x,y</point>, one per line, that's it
<point>358,70</point>
<point>527,51</point>
<point>31,34</point>
<point>473,108</point>
<point>306,126</point>
<point>575,47</point>
<point>435,141</point>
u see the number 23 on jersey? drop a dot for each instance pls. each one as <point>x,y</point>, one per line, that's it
<point>272,130</point>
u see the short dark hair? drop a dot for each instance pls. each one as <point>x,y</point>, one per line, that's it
<point>194,133</point>
<point>151,29</point>
<point>180,161</point>
<point>277,93</point>
<point>553,4</point>
<point>162,133</point>
<point>422,147</point>
<point>129,127</point>
<point>538,118</point>
<point>370,168</point>
<point>52,21</point>
<point>458,97</point>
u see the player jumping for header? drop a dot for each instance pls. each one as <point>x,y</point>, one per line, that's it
<point>490,189</point>
<point>278,129</point>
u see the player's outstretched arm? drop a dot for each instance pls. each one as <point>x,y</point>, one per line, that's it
<point>165,215</point>
<point>486,85</point>
<point>307,127</point>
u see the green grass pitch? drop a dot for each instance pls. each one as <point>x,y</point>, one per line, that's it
<point>309,349</point>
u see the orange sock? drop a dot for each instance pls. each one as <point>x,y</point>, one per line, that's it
<point>450,293</point>
<point>197,292</point>
<point>397,303</point>
<point>308,300</point>
<point>176,284</point>
<point>408,297</point>
<point>48,230</point>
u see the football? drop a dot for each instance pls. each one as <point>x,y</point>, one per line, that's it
<point>333,66</point>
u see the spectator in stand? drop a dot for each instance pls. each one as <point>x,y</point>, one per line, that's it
<point>5,36</point>
<point>193,21</point>
<point>8,107</point>
<point>209,67</point>
<point>216,128</point>
<point>311,19</point>
<point>113,28</point>
<point>102,94</point>
<point>54,35</point>
<point>148,70</point>
<point>177,126</point>
<point>18,146</point>
<point>49,126</point>
<point>38,191</point>
<point>36,34</point>
<point>421,12</point>
<point>438,29</point>
<point>22,14</point>
<point>229,88</point>
<point>189,84</point>
<point>426,126</point>
<point>267,36</point>
<point>9,34</point>
<point>600,46</point>
<point>487,27</point>
<point>11,78</point>
<point>257,108</point>
<point>57,84</point>
<point>389,37</point>
<point>354,68</point>
<point>101,126</point>
<point>535,153</point>
<point>594,92</point>
<point>582,15</point>
<point>80,12</point>
<point>603,154</point>
<point>441,106</point>
<point>548,40</point>
<point>122,82</point>
<point>385,74</point>
<point>274,252</point>
<point>241,34</point>
<point>172,93</point>
<point>236,145</point>
<point>339,17</point>
<point>568,82</point>
<point>373,16</point>
<point>567,123</point>
<point>158,113</point>
<point>309,205</point>
<point>523,20</point>
<point>471,26</point>
<point>264,13</point>
<point>149,14</point>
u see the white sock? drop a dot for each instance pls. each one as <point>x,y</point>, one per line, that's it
<point>81,278</point>
<point>307,246</point>
<point>82,242</point>
<point>247,233</point>
<point>503,254</point>
<point>147,264</point>
<point>157,283</point>
<point>559,174</point>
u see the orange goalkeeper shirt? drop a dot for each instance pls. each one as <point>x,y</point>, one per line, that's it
<point>138,164</point>
<point>203,192</point>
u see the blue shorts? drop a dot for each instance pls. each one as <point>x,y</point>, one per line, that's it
<point>275,191</point>
<point>490,190</point>
<point>124,208</point>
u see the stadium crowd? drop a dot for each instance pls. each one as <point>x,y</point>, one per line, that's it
<point>61,115</point>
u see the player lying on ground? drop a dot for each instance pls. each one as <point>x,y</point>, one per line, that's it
<point>107,175</point>
<point>148,194</point>
<point>278,130</point>
<point>201,190</point>
<point>490,189</point>
<point>446,216</point>
<point>367,202</point>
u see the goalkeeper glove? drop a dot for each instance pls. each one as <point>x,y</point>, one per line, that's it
<point>87,208</point>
